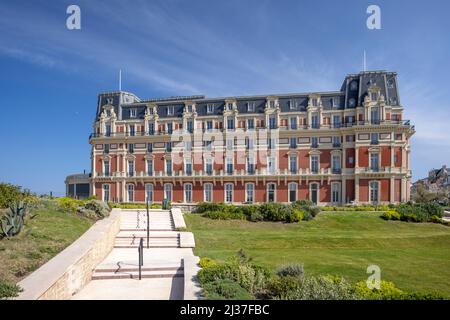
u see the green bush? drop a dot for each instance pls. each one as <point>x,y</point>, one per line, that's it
<point>210,206</point>
<point>224,215</point>
<point>225,289</point>
<point>390,215</point>
<point>323,288</point>
<point>206,262</point>
<point>100,208</point>
<point>273,211</point>
<point>9,193</point>
<point>69,204</point>
<point>387,291</point>
<point>290,270</point>
<point>282,287</point>
<point>9,290</point>
<point>421,212</point>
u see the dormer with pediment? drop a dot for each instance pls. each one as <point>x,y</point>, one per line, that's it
<point>314,110</point>
<point>151,118</point>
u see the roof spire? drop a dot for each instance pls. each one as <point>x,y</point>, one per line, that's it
<point>120,79</point>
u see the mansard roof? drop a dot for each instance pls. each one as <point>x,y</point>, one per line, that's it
<point>352,93</point>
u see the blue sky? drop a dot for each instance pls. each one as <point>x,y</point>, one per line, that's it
<point>50,76</point>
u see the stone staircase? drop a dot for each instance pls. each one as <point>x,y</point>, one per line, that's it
<point>105,272</point>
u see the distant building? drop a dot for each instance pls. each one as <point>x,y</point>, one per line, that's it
<point>437,180</point>
<point>346,146</point>
<point>78,186</point>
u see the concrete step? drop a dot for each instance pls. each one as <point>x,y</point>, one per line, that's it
<point>104,274</point>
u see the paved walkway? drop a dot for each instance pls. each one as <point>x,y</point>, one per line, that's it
<point>117,277</point>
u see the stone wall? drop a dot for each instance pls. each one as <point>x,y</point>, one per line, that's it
<point>65,274</point>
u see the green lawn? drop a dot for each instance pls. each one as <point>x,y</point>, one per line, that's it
<point>416,257</point>
<point>42,238</point>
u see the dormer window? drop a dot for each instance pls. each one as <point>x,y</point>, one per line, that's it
<point>351,102</point>
<point>314,102</point>
<point>189,108</point>
<point>353,85</point>
<point>109,101</point>
<point>292,104</point>
<point>170,110</point>
<point>374,96</point>
<point>133,113</point>
<point>150,111</point>
<point>108,113</point>
<point>335,102</point>
<point>209,108</point>
<point>250,107</point>
<point>272,104</point>
<point>229,106</point>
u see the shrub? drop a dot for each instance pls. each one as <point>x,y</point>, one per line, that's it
<point>324,288</point>
<point>9,193</point>
<point>224,215</point>
<point>100,208</point>
<point>290,270</point>
<point>8,290</point>
<point>255,217</point>
<point>273,211</point>
<point>206,262</point>
<point>282,287</point>
<point>69,204</point>
<point>209,206</point>
<point>225,289</point>
<point>387,291</point>
<point>293,215</point>
<point>390,215</point>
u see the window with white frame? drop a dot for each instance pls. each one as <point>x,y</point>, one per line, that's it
<point>374,192</point>
<point>315,121</point>
<point>335,192</point>
<point>271,189</point>
<point>292,104</point>
<point>106,168</point>
<point>293,123</point>
<point>250,107</point>
<point>229,163</point>
<point>374,161</point>
<point>168,191</point>
<point>314,166</point>
<point>170,110</point>
<point>228,192</point>
<point>130,192</point>
<point>250,165</point>
<point>272,104</point>
<point>293,164</point>
<point>209,125</point>
<point>229,106</point>
<point>250,124</point>
<point>187,192</point>
<point>230,123</point>
<point>271,165</point>
<point>169,167</point>
<point>230,144</point>
<point>292,191</point>
<point>190,126</point>
<point>209,108</point>
<point>149,193</point>
<point>151,127</point>
<point>208,166</point>
<point>336,163</point>
<point>131,168</point>
<point>188,166</point>
<point>314,192</point>
<point>208,192</point>
<point>272,122</point>
<point>150,167</point>
<point>106,192</point>
<point>133,113</point>
<point>249,192</point>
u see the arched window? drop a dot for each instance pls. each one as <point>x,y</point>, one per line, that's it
<point>208,192</point>
<point>187,192</point>
<point>149,192</point>
<point>168,191</point>
<point>130,192</point>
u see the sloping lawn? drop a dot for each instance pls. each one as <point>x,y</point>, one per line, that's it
<point>42,238</point>
<point>415,256</point>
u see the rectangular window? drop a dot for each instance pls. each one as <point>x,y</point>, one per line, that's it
<point>336,121</point>
<point>208,166</point>
<point>131,168</point>
<point>336,164</point>
<point>249,143</point>
<point>229,106</point>
<point>272,123</point>
<point>150,167</point>
<point>250,107</point>
<point>169,167</point>
<point>132,130</point>
<point>151,128</point>
<point>208,145</point>
<point>229,165</point>
<point>189,108</point>
<point>314,142</point>
<point>250,124</point>
<point>149,193</point>
<point>250,165</point>
<point>150,147</point>
<point>292,105</point>
<point>170,110</point>
<point>106,148</point>
<point>293,164</point>
<point>133,113</point>
<point>168,146</point>
<point>188,193</point>
<point>106,165</point>
<point>131,148</point>
<point>315,121</point>
<point>336,142</point>
<point>271,165</point>
<point>271,143</point>
<point>335,193</point>
<point>108,130</point>
<point>190,126</point>
<point>169,127</point>
<point>230,144</point>
<point>314,102</point>
<point>106,192</point>
<point>292,189</point>
<point>315,164</point>
<point>374,192</point>
<point>374,116</point>
<point>188,145</point>
<point>272,104</point>
<point>209,125</point>
<point>249,192</point>
<point>228,193</point>
<point>335,102</point>
<point>208,192</point>
<point>188,167</point>
<point>374,138</point>
<point>293,143</point>
<point>230,124</point>
<point>293,123</point>
<point>374,160</point>
<point>209,108</point>
<point>350,160</point>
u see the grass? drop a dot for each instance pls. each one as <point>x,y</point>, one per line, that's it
<point>415,256</point>
<point>43,237</point>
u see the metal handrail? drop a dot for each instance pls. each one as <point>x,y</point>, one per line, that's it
<point>148,227</point>
<point>141,257</point>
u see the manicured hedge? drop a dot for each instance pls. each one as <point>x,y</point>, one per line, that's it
<point>420,212</point>
<point>294,212</point>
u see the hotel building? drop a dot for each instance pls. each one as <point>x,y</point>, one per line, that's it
<point>333,148</point>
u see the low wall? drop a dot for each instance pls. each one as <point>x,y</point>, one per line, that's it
<point>192,289</point>
<point>70,270</point>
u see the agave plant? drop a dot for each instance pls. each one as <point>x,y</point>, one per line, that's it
<point>12,223</point>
